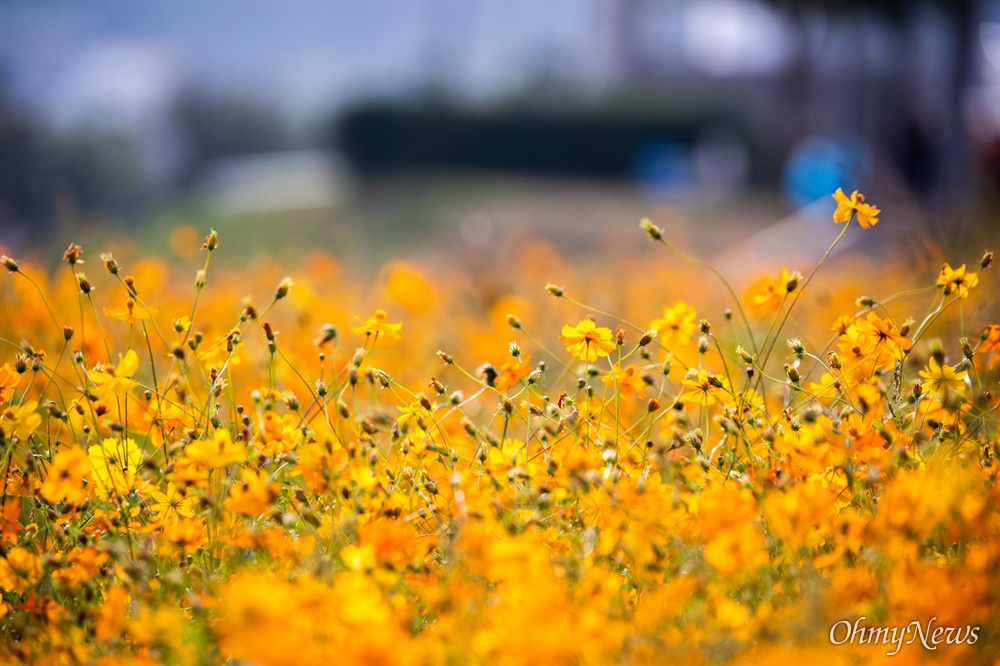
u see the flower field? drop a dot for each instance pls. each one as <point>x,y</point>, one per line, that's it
<point>452,465</point>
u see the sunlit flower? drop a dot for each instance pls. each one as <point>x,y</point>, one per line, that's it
<point>113,466</point>
<point>377,327</point>
<point>111,381</point>
<point>21,420</point>
<point>702,388</point>
<point>846,207</point>
<point>9,381</point>
<point>131,313</point>
<point>586,341</point>
<point>676,325</point>
<point>65,482</point>
<point>218,451</point>
<point>957,280</point>
<point>627,380</point>
<point>171,505</point>
<point>767,294</point>
<point>939,378</point>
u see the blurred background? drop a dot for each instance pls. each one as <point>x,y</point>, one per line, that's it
<point>378,128</point>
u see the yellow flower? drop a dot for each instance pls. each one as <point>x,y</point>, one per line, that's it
<point>65,479</point>
<point>586,341</point>
<point>627,380</point>
<point>377,326</point>
<point>957,280</point>
<point>219,451</point>
<point>846,207</point>
<point>676,325</point>
<point>131,313</point>
<point>21,421</point>
<point>701,387</point>
<point>942,377</point>
<point>113,465</point>
<point>172,505</point>
<point>116,380</point>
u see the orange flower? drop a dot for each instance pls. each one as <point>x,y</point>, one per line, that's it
<point>377,326</point>
<point>65,480</point>
<point>957,280</point>
<point>586,341</point>
<point>767,294</point>
<point>512,371</point>
<point>131,313</point>
<point>9,380</point>
<point>627,380</point>
<point>846,207</point>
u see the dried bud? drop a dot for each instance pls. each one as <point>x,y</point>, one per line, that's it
<point>67,333</point>
<point>72,254</point>
<point>865,301</point>
<point>446,357</point>
<point>554,290</point>
<point>987,259</point>
<point>620,336</point>
<point>793,281</point>
<point>130,285</point>
<point>325,334</point>
<point>793,373</point>
<point>199,279</point>
<point>438,387</point>
<point>9,263</point>
<point>833,360</point>
<point>704,326</point>
<point>513,321</point>
<point>515,350</point>
<point>647,337</point>
<point>797,347</point>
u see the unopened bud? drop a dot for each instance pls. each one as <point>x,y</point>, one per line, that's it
<point>554,290</point>
<point>211,241</point>
<point>9,263</point>
<point>513,321</point>
<point>109,263</point>
<point>283,288</point>
<point>654,231</point>
<point>987,259</point>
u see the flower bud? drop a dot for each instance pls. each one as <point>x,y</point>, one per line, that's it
<point>513,321</point>
<point>283,288</point>
<point>654,231</point>
<point>9,263</point>
<point>67,333</point>
<point>83,283</point>
<point>987,259</point>
<point>109,263</point>
<point>211,241</point>
<point>554,290</point>
<point>72,254</point>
